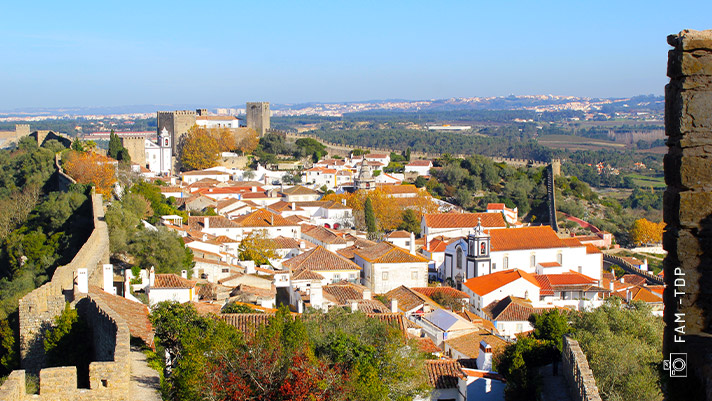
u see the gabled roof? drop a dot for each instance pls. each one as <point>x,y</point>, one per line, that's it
<point>483,285</point>
<point>408,299</point>
<point>281,206</point>
<point>385,252</point>
<point>570,281</point>
<point>197,223</point>
<point>372,306</point>
<point>420,163</point>
<point>306,274</point>
<point>437,244</point>
<point>448,321</point>
<point>495,206</point>
<point>590,249</point>
<point>319,259</point>
<point>322,234</point>
<point>172,281</point>
<point>348,252</point>
<point>469,344</point>
<point>509,309</point>
<point>449,291</point>
<point>400,189</point>
<point>398,234</point>
<point>262,218</point>
<point>539,237</point>
<point>290,243</point>
<point>298,190</point>
<point>464,220</point>
<point>444,373</point>
<point>343,292</point>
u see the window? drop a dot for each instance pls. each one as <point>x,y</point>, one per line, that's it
<point>337,277</point>
<point>505,262</point>
<point>407,243</point>
<point>414,275</point>
<point>520,328</point>
<point>559,258</point>
<point>532,260</point>
<point>494,266</point>
<point>226,270</point>
<point>458,256</point>
<point>384,276</point>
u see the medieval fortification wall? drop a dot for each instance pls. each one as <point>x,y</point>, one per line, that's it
<point>579,377</point>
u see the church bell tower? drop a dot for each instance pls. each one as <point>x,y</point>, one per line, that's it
<point>479,262</point>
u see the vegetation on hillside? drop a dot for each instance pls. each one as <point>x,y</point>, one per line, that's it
<point>335,355</point>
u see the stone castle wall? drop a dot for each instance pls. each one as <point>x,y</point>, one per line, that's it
<point>136,146</point>
<point>579,377</point>
<point>687,212</point>
<point>177,123</point>
<point>258,117</point>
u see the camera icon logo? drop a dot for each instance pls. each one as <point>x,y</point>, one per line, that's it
<point>676,364</point>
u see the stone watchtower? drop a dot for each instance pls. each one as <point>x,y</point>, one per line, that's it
<point>177,123</point>
<point>258,116</point>
<point>556,167</point>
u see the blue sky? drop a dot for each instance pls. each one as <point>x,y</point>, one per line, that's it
<point>108,53</point>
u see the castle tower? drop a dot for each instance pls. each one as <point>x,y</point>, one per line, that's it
<point>177,123</point>
<point>479,262</point>
<point>22,130</point>
<point>556,167</point>
<point>258,117</point>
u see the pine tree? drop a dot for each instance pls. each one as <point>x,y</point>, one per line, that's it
<point>370,216</point>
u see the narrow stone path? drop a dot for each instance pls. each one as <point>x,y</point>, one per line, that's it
<point>553,388</point>
<point>145,382</point>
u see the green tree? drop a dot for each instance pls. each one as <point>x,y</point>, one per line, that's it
<point>68,343</point>
<point>115,145</point>
<point>551,326</point>
<point>259,247</point>
<point>162,249</point>
<point>410,223</point>
<point>8,351</point>
<point>370,217</point>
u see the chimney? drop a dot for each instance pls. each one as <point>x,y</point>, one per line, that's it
<point>206,223</point>
<point>394,305</point>
<point>152,277</point>
<point>82,280</point>
<point>412,244</point>
<point>108,270</point>
<point>253,189</point>
<point>628,296</point>
<point>484,358</point>
<point>294,206</point>
<point>184,273</point>
<point>302,245</point>
<point>354,306</point>
<point>610,285</point>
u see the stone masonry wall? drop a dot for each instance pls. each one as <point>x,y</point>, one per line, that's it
<point>109,375</point>
<point>582,384</point>
<point>38,309</point>
<point>687,212</point>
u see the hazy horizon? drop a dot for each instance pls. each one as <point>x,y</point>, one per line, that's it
<point>221,53</point>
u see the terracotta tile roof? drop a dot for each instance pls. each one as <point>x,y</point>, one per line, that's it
<point>633,279</point>
<point>429,291</point>
<point>395,320</point>
<point>425,344</point>
<point>570,242</point>
<point>290,243</point>
<point>539,237</point>
<point>305,274</point>
<point>322,234</point>
<point>632,261</point>
<point>509,309</point>
<point>247,323</point>
<point>400,189</point>
<point>437,244</point>
<point>372,306</point>
<point>408,299</point>
<point>483,285</point>
<point>590,249</point>
<point>282,206</point>
<point>259,292</point>
<point>206,308</point>
<point>296,220</point>
<point>443,373</point>
<point>469,344</point>
<point>398,234</point>
<point>319,259</point>
<point>550,264</point>
<point>456,220</point>
<point>495,206</point>
<point>571,281</point>
<point>197,223</point>
<point>298,190</point>
<point>420,163</point>
<point>135,314</point>
<point>254,195</point>
<point>478,321</point>
<point>262,218</point>
<point>385,252</point>
<point>172,281</point>
<point>348,252</point>
<point>486,375</point>
<point>343,292</point>
<point>639,293</point>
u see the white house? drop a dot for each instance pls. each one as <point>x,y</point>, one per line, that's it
<point>510,215</point>
<point>319,176</point>
<point>298,193</point>
<point>170,287</point>
<point>484,290</point>
<point>420,167</point>
<point>158,155</point>
<point>386,266</point>
<point>510,315</point>
<point>190,177</point>
<point>332,267</point>
<point>401,238</point>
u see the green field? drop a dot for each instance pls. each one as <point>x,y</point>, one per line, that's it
<point>571,142</point>
<point>647,182</point>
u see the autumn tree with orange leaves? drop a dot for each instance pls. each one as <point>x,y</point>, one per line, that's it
<point>644,232</point>
<point>387,209</point>
<point>91,168</point>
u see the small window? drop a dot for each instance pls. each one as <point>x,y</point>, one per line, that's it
<point>505,262</point>
<point>494,266</point>
<point>414,275</point>
<point>559,258</point>
<point>532,260</point>
<point>384,276</point>
<point>226,270</point>
<point>407,243</point>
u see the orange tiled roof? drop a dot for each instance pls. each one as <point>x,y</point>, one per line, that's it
<point>262,218</point>
<point>590,249</point>
<point>172,281</point>
<point>343,292</point>
<point>571,281</point>
<point>197,223</point>
<point>385,252</point>
<point>443,373</point>
<point>538,237</point>
<point>429,291</point>
<point>420,163</point>
<point>483,285</point>
<point>322,234</point>
<point>469,344</point>
<point>495,206</point>
<point>372,306</point>
<point>425,344</point>
<point>319,259</point>
<point>409,299</point>
<point>510,309</point>
<point>456,220</point>
<point>398,234</point>
<point>298,190</point>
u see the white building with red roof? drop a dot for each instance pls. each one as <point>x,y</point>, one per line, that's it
<point>386,266</point>
<point>421,167</point>
<point>458,224</point>
<point>511,216</point>
<point>484,290</point>
<point>170,287</point>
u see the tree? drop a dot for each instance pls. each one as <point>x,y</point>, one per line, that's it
<point>644,232</point>
<point>551,326</point>
<point>370,216</point>
<point>162,249</point>
<point>257,246</point>
<point>198,149</point>
<point>91,168</point>
<point>411,222</point>
<point>309,146</point>
<point>248,141</point>
<point>65,344</point>
<point>115,146</point>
